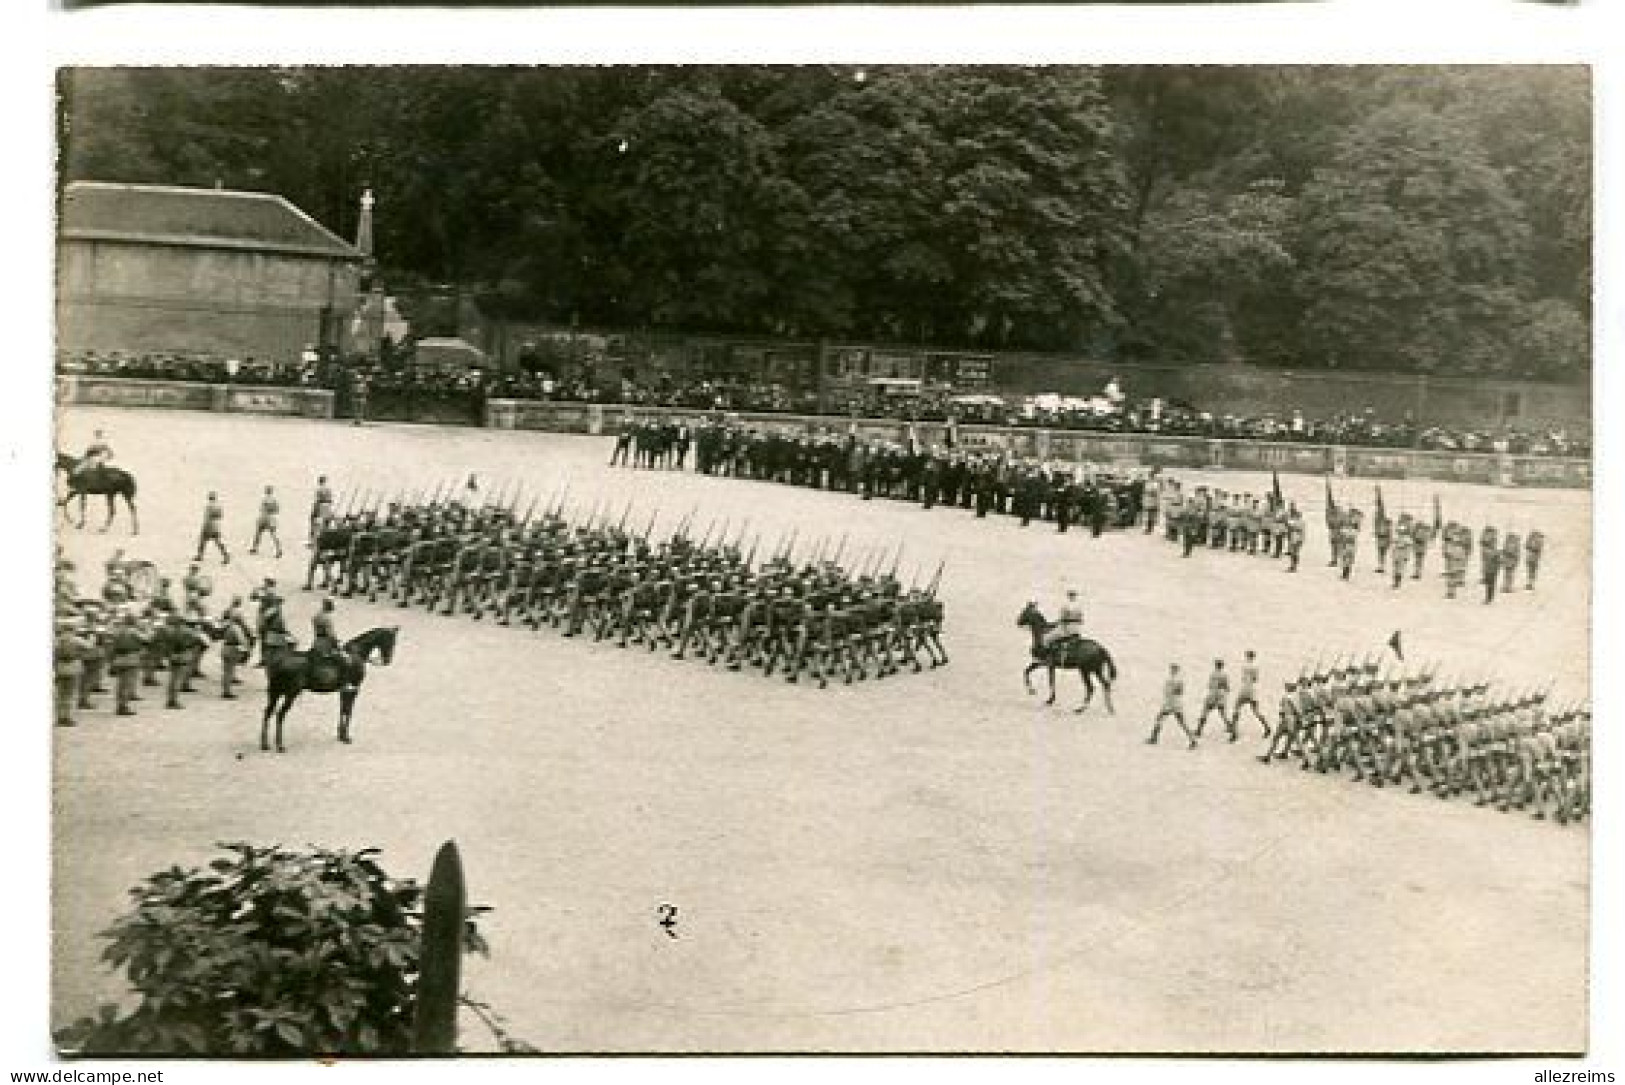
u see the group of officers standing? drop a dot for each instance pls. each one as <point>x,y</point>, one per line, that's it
<point>986,480</point>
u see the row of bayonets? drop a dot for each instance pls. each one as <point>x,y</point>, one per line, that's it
<point>446,496</point>
<point>1533,694</point>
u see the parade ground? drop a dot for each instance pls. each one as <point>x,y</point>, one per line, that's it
<point>930,862</point>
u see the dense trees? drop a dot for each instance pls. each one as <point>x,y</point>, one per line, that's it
<point>1430,219</point>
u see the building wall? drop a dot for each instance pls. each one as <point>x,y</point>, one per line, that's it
<point>138,298</point>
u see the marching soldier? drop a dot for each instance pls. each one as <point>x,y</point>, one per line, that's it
<point>266,523</point>
<point>1511,552</point>
<point>1218,697</point>
<point>1533,545</point>
<point>1421,537</point>
<point>1294,537</point>
<point>1489,556</point>
<point>1173,704</point>
<point>321,510</point>
<point>213,515</point>
<point>1247,697</point>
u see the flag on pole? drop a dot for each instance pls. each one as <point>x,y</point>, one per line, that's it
<point>1438,514</point>
<point>1277,499</point>
<point>1393,642</point>
<point>1331,504</point>
<point>1382,513</point>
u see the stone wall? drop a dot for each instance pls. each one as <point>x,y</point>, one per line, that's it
<point>184,395</point>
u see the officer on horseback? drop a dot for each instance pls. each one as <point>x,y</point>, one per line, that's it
<point>1068,626</point>
<point>324,644</point>
<point>272,626</point>
<point>97,454</point>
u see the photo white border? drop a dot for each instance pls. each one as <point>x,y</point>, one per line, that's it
<point>1353,31</point>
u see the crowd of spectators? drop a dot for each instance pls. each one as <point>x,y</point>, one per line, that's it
<point>204,368</point>
<point>1110,413</point>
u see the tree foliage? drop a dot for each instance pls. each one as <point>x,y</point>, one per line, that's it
<point>1410,218</point>
<point>265,952</point>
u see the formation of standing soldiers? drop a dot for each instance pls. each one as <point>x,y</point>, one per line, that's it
<point>1509,751</point>
<point>702,596</point>
<point>127,635</point>
<point>981,480</point>
<point>1402,547</point>
<point>1244,523</point>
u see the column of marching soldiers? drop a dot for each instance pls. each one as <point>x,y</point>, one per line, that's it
<point>705,597</point>
<point>1511,750</point>
<point>995,480</point>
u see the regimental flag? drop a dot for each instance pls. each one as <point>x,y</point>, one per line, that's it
<point>1331,504</point>
<point>1393,642</point>
<point>1382,513</point>
<point>1277,498</point>
<point>1438,514</point>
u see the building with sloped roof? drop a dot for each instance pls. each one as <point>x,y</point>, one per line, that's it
<point>145,269</point>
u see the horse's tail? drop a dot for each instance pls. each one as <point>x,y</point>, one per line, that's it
<point>129,486</point>
<point>1107,664</point>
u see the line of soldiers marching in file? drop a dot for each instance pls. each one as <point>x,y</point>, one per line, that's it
<point>1403,545</point>
<point>1513,751</point>
<point>704,595</point>
<point>1272,526</point>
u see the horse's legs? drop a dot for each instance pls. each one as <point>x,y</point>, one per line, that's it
<point>82,497</point>
<point>281,718</point>
<point>265,721</point>
<point>111,509</point>
<point>135,521</point>
<point>1106,692</point>
<point>1088,688</point>
<point>1026,675</point>
<point>1051,668</point>
<point>346,704</point>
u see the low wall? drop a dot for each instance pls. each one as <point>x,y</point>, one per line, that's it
<point>193,396</point>
<point>1084,447</point>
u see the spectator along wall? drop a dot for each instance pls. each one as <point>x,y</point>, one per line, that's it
<point>838,369</point>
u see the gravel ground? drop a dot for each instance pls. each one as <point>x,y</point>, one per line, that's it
<point>935,861</point>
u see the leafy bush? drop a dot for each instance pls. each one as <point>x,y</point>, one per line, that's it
<point>267,952</point>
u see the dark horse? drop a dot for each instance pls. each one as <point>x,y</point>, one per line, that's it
<point>289,673</point>
<point>1089,659</point>
<point>113,482</point>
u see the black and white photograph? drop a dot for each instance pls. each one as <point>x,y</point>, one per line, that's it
<point>822,559</point>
